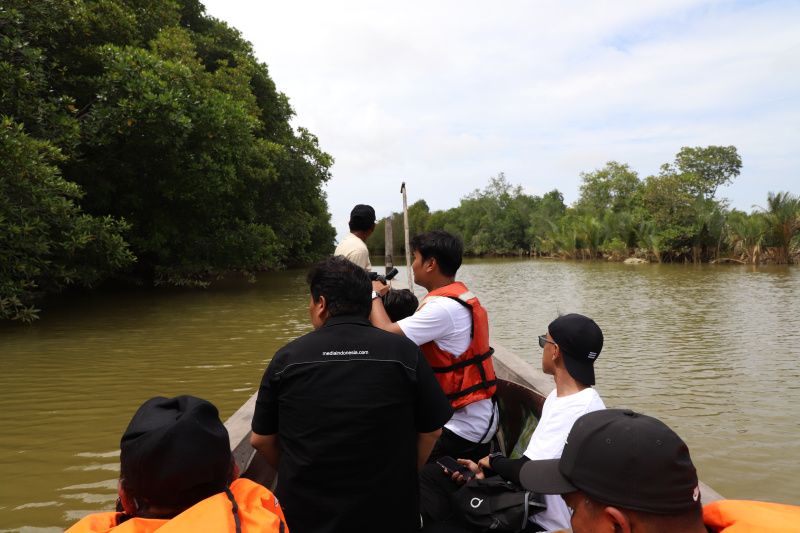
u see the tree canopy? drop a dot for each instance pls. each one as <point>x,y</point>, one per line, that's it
<point>163,140</point>
<point>671,216</point>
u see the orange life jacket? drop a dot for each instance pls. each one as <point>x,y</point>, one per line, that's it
<point>469,377</point>
<point>740,516</point>
<point>254,509</point>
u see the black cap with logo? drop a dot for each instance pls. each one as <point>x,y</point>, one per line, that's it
<point>620,458</point>
<point>581,341</point>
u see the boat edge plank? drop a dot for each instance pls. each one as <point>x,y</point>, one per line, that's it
<point>508,366</point>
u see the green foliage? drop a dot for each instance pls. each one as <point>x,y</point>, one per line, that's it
<point>499,219</point>
<point>29,93</point>
<point>547,210</point>
<point>495,219</point>
<point>782,216</point>
<point>708,239</point>
<point>669,217</point>
<point>747,233</point>
<point>46,242</point>
<point>668,202</point>
<point>711,167</point>
<point>614,187</point>
<point>171,129</point>
<point>419,217</point>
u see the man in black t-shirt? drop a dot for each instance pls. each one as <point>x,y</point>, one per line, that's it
<point>347,414</point>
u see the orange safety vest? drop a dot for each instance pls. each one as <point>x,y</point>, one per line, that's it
<point>469,377</point>
<point>740,516</point>
<point>254,509</point>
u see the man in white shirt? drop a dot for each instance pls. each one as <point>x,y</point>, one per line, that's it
<point>353,247</point>
<point>452,328</point>
<point>570,348</point>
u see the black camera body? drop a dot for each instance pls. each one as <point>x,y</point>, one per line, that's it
<point>374,276</point>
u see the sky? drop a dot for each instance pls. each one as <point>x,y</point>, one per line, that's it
<point>444,95</point>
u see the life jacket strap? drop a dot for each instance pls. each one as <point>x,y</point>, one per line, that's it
<point>235,510</point>
<point>470,390</point>
<point>477,360</point>
<point>468,306</point>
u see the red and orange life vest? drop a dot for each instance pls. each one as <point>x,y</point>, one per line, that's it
<point>469,377</point>
<point>740,516</point>
<point>255,511</point>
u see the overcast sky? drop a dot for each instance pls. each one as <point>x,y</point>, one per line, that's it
<point>444,95</point>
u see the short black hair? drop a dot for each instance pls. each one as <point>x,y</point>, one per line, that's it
<point>447,249</point>
<point>359,225</point>
<point>679,521</point>
<point>400,304</point>
<point>346,286</point>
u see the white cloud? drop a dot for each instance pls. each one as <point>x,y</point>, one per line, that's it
<point>443,95</point>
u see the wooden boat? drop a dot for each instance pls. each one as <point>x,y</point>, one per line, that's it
<point>521,393</point>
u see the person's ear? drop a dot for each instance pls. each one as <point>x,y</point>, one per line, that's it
<point>431,264</point>
<point>557,353</point>
<point>128,503</point>
<point>235,472</point>
<point>320,306</point>
<point>318,311</point>
<point>618,518</point>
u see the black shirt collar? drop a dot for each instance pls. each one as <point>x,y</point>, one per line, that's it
<point>346,319</point>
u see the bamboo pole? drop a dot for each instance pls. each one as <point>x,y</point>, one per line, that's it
<point>405,224</point>
<point>389,246</point>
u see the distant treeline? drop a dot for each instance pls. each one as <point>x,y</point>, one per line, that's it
<point>142,140</point>
<point>672,216</point>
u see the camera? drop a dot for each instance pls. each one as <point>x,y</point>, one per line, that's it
<point>374,276</point>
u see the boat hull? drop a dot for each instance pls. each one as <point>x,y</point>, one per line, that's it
<point>521,393</point>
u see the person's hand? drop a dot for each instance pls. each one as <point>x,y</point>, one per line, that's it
<point>459,479</point>
<point>379,287</point>
<point>484,463</point>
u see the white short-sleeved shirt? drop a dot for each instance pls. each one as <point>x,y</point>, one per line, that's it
<point>547,442</point>
<point>449,325</point>
<point>354,250</point>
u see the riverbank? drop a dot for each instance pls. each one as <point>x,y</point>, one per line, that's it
<point>767,257</point>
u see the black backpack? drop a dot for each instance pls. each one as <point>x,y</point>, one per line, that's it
<point>495,504</point>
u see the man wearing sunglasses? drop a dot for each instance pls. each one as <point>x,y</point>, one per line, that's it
<point>569,349</point>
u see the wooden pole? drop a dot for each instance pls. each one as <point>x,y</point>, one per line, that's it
<point>405,223</point>
<point>389,246</point>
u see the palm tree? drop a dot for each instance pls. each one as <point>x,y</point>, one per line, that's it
<point>620,226</point>
<point>783,216</point>
<point>747,232</point>
<point>591,232</point>
<point>711,221</point>
<point>650,239</point>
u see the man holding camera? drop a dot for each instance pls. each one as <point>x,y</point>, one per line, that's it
<point>452,329</point>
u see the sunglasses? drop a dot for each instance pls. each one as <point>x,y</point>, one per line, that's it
<point>543,340</point>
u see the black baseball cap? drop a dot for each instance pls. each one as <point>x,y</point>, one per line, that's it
<point>581,341</point>
<point>362,215</point>
<point>620,458</point>
<point>176,451</point>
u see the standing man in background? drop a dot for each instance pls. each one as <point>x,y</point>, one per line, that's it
<point>353,247</point>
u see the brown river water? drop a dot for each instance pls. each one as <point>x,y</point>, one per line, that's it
<point>714,351</point>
